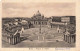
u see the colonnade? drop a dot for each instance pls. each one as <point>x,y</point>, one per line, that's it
<point>70,38</point>
<point>14,39</point>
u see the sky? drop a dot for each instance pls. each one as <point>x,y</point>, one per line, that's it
<point>29,9</point>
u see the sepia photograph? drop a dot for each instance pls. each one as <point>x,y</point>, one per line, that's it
<point>27,25</point>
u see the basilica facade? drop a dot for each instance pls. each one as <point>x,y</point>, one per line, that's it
<point>38,19</point>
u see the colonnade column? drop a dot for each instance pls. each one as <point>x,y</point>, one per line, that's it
<point>69,38</point>
<point>14,39</point>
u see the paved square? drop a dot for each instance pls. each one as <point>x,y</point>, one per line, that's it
<point>51,38</point>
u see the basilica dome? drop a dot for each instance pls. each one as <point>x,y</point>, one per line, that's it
<point>38,13</point>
